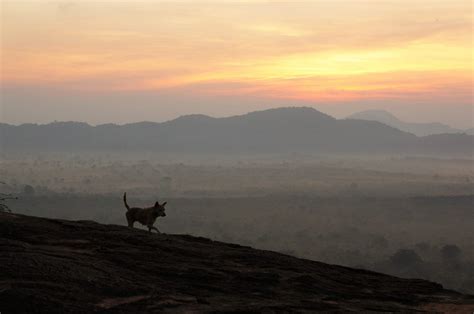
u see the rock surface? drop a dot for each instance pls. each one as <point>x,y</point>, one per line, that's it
<point>58,266</point>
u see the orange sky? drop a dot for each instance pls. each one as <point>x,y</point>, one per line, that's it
<point>311,51</point>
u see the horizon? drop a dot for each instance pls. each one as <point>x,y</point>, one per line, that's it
<point>227,116</point>
<point>123,62</point>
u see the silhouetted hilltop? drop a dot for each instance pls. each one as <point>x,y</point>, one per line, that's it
<point>419,129</point>
<point>58,266</point>
<point>269,131</point>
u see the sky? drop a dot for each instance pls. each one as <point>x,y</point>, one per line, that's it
<point>127,61</point>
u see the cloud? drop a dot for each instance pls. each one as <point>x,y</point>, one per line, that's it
<point>308,51</point>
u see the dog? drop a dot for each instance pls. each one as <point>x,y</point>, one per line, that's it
<point>145,216</point>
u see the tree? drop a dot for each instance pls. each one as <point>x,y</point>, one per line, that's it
<point>4,197</point>
<point>28,190</point>
<point>450,252</point>
<point>406,258</point>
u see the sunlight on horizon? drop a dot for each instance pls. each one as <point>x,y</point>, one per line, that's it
<point>311,51</point>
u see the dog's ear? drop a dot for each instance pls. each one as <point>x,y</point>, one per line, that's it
<point>157,204</point>
<point>164,204</point>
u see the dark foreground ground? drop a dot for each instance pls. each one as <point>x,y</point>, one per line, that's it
<point>57,266</point>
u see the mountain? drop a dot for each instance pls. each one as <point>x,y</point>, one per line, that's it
<point>279,130</point>
<point>419,129</point>
<point>59,266</point>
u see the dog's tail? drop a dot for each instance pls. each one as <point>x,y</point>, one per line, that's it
<point>125,200</point>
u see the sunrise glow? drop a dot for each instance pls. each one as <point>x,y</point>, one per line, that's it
<point>312,51</point>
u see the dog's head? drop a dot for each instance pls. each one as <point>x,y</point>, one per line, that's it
<point>160,209</point>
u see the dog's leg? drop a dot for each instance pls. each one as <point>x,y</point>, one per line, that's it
<point>154,228</point>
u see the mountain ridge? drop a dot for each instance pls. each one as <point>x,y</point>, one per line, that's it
<point>279,130</point>
<point>419,129</point>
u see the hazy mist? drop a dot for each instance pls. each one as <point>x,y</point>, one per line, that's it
<point>43,105</point>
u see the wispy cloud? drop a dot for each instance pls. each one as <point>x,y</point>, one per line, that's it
<point>306,50</point>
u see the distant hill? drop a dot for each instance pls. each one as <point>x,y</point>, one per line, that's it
<point>470,131</point>
<point>419,129</point>
<point>60,266</point>
<point>280,130</point>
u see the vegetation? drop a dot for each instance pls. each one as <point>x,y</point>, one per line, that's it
<point>409,217</point>
<point>4,197</point>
